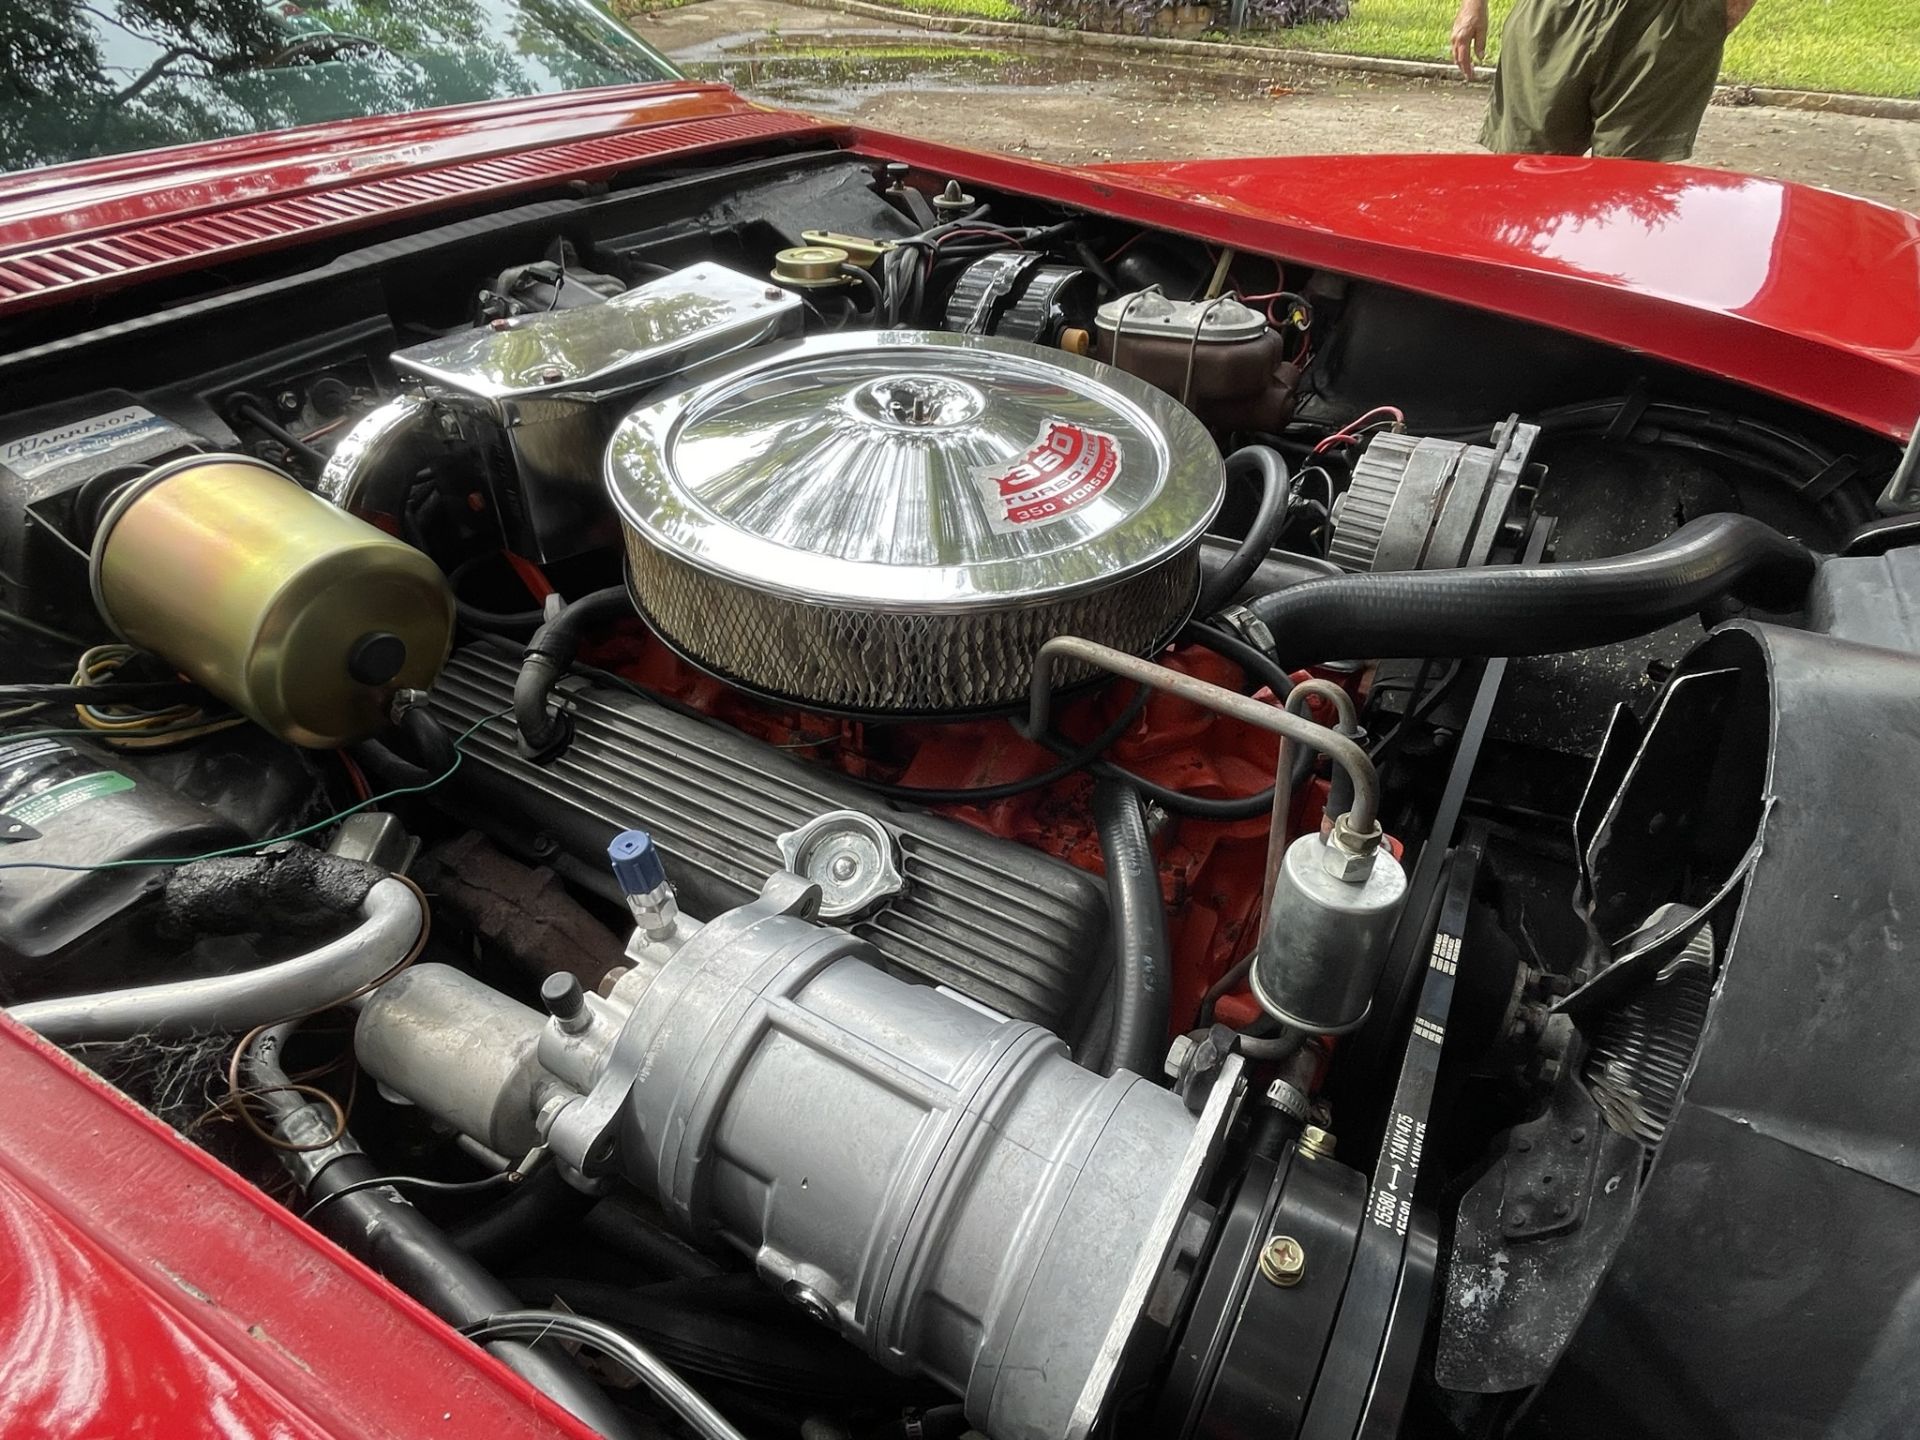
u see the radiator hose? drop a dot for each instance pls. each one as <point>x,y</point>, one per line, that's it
<point>1143,968</point>
<point>1538,609</point>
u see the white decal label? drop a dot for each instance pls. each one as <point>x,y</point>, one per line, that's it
<point>31,455</point>
<point>1064,468</point>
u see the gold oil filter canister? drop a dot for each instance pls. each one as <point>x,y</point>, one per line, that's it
<point>299,615</point>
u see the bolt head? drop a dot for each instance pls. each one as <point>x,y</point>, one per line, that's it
<point>1283,1261</point>
<point>1179,1055</point>
<point>1316,1144</point>
<point>1349,853</point>
<point>811,1302</point>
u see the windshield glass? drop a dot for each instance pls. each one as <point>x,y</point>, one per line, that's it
<point>80,78</point>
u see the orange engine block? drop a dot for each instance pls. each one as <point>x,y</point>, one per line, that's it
<point>1211,872</point>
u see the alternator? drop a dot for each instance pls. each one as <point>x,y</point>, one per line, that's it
<point>1417,503</point>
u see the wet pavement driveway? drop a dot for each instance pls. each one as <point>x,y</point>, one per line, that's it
<point>1068,103</point>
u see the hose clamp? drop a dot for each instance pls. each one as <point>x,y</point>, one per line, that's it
<point>1248,626</point>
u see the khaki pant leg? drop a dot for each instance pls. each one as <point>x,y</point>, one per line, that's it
<point>1550,51</point>
<point>1649,102</point>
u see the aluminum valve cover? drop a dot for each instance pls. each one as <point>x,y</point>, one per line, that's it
<point>898,520</point>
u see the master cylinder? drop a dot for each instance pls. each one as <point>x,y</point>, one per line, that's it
<point>943,1185</point>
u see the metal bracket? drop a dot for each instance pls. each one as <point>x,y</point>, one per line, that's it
<point>1550,1168</point>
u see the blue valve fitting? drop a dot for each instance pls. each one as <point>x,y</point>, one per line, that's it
<point>636,864</point>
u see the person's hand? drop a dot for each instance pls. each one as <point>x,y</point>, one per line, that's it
<point>1736,12</point>
<point>1470,33</point>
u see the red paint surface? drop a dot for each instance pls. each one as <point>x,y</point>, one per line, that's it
<point>1803,293</point>
<point>90,196</point>
<point>1809,295</point>
<point>76,230</point>
<point>146,1291</point>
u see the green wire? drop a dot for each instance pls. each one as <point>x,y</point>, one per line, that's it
<point>106,735</point>
<point>459,754</point>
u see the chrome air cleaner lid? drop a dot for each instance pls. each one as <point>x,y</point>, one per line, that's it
<point>898,519</point>
<point>921,469</point>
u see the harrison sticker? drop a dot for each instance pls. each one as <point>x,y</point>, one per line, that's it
<point>1063,469</point>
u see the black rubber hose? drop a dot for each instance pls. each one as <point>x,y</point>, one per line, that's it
<point>865,280</point>
<point>617,1225</point>
<point>1179,802</point>
<point>428,739</point>
<point>1538,609</point>
<point>1262,463</point>
<point>429,751</point>
<point>1197,807</point>
<point>274,430</point>
<point>1276,571</point>
<point>538,1207</point>
<point>549,655</point>
<point>414,1253</point>
<point>733,1328</point>
<point>1142,959</point>
<point>516,624</point>
<point>390,768</point>
<point>1260,667</point>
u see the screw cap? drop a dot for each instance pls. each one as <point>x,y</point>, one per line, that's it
<point>636,864</point>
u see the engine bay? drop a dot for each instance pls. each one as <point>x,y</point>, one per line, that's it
<point>903,813</point>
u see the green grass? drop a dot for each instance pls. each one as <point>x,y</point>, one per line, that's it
<point>1401,29</point>
<point>1869,47</point>
<point>964,9</point>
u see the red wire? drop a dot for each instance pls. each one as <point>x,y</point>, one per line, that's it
<point>531,576</point>
<point>355,776</point>
<point>977,230</point>
<point>933,250</point>
<point>1348,431</point>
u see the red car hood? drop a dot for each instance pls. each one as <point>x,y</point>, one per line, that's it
<point>1809,295</point>
<point>147,1293</point>
<point>70,230</point>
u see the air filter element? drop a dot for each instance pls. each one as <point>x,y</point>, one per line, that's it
<point>897,521</point>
